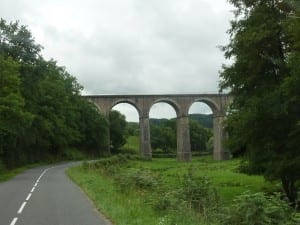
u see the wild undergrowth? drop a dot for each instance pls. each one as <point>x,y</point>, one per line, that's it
<point>165,192</point>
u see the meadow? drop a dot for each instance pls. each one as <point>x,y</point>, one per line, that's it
<point>131,191</point>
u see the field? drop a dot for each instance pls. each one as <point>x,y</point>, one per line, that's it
<point>131,191</point>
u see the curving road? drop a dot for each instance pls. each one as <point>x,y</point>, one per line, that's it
<point>46,196</point>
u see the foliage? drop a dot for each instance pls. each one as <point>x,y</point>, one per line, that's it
<point>139,179</point>
<point>206,120</point>
<point>258,209</point>
<point>263,122</point>
<point>43,115</point>
<point>132,128</point>
<point>199,136</point>
<point>117,130</point>
<point>193,193</point>
<point>163,191</point>
<point>163,135</point>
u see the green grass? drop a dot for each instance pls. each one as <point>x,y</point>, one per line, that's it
<point>134,206</point>
<point>8,174</point>
<point>122,209</point>
<point>132,145</point>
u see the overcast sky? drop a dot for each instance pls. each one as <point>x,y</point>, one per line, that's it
<point>131,46</point>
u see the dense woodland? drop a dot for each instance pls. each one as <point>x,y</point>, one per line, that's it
<point>42,113</point>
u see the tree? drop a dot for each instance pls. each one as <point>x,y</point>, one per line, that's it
<point>42,112</point>
<point>163,135</point>
<point>261,121</point>
<point>93,128</point>
<point>14,119</point>
<point>117,130</point>
<point>199,136</point>
<point>17,42</point>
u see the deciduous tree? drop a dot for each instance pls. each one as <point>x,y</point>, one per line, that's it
<point>264,116</point>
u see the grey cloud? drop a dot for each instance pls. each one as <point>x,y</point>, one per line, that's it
<point>130,46</point>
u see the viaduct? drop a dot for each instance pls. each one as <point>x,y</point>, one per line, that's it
<point>181,104</point>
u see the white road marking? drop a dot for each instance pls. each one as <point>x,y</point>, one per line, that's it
<point>13,222</point>
<point>15,219</point>
<point>22,207</point>
<point>28,197</point>
<point>32,190</point>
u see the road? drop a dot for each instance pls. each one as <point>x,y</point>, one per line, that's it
<point>46,196</point>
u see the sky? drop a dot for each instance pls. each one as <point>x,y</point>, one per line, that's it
<point>132,46</point>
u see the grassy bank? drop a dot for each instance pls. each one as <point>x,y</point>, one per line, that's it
<point>164,191</point>
<point>6,174</point>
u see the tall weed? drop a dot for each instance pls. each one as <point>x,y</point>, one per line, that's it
<point>258,209</point>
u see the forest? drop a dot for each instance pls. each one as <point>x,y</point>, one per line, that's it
<point>43,116</point>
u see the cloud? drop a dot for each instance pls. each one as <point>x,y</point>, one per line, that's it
<point>130,46</point>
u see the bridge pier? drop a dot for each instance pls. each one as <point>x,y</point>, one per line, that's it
<point>145,145</point>
<point>220,153</point>
<point>183,139</point>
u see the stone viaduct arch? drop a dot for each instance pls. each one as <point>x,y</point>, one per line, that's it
<point>181,103</point>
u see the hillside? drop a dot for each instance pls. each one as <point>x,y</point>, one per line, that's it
<point>204,119</point>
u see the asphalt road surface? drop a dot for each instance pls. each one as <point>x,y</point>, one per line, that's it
<point>46,196</point>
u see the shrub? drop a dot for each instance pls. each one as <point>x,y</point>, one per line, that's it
<point>141,179</point>
<point>198,193</point>
<point>194,193</point>
<point>257,209</point>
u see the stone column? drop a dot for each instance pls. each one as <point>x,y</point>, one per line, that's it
<point>183,139</point>
<point>220,153</point>
<point>106,115</point>
<point>145,145</point>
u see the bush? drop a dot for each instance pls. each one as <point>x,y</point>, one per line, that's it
<point>194,193</point>
<point>141,179</point>
<point>257,209</point>
<point>198,193</point>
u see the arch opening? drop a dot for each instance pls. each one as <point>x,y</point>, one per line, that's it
<point>131,130</point>
<point>201,128</point>
<point>163,129</point>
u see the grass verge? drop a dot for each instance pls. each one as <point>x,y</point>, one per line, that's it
<point>133,192</point>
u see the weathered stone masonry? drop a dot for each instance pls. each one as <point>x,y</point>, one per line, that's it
<point>181,103</point>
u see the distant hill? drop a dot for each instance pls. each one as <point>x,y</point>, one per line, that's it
<point>205,119</point>
<point>156,121</point>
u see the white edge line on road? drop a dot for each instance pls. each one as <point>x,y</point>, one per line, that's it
<point>22,207</point>
<point>13,222</point>
<point>32,190</point>
<point>28,197</point>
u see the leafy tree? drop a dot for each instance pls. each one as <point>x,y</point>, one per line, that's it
<point>132,128</point>
<point>163,135</point>
<point>93,128</point>
<point>263,120</point>
<point>117,130</point>
<point>199,136</point>
<point>14,119</point>
<point>17,42</point>
<point>42,112</point>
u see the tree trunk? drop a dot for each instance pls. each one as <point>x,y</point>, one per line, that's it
<point>290,190</point>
